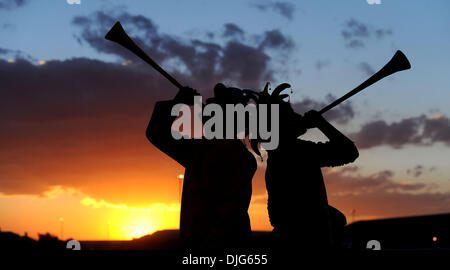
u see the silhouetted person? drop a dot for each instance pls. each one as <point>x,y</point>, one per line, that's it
<point>297,203</point>
<point>217,185</point>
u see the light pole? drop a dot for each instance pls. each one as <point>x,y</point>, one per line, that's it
<point>61,227</point>
<point>353,215</point>
<point>180,178</point>
<point>108,226</point>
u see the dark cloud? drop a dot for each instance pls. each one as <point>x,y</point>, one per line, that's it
<point>142,30</point>
<point>232,30</point>
<point>285,9</point>
<point>366,68</point>
<point>350,182</point>
<point>341,114</point>
<point>74,89</point>
<point>355,44</point>
<point>380,133</point>
<point>375,195</point>
<point>436,129</point>
<point>9,4</point>
<point>355,29</point>
<point>4,51</point>
<point>381,33</point>
<point>355,33</point>
<point>235,61</point>
<point>419,130</point>
<point>274,39</point>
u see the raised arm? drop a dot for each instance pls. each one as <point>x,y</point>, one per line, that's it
<point>159,128</point>
<point>339,150</point>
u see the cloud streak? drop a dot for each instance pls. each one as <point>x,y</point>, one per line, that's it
<point>356,33</point>
<point>162,207</point>
<point>375,195</point>
<point>341,114</point>
<point>343,182</point>
<point>420,130</point>
<point>232,30</point>
<point>285,9</point>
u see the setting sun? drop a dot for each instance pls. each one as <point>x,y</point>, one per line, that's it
<point>138,227</point>
<point>139,232</point>
<point>132,223</point>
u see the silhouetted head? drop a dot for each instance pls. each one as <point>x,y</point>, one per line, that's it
<point>291,124</point>
<point>228,95</point>
<point>231,95</point>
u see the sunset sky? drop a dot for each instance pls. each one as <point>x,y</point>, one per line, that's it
<point>74,159</point>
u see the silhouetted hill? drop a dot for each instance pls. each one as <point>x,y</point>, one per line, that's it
<point>12,241</point>
<point>160,240</point>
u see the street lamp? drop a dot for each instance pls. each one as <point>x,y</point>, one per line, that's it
<point>108,228</point>
<point>61,224</point>
<point>180,178</point>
